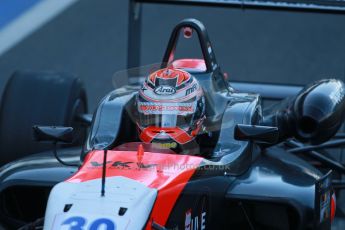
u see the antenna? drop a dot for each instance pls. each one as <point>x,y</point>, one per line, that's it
<point>104,171</point>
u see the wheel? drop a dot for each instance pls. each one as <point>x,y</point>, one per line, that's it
<point>38,98</point>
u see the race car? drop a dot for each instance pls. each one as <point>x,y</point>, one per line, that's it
<point>246,174</point>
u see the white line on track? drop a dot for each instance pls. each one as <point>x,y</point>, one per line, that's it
<point>30,21</point>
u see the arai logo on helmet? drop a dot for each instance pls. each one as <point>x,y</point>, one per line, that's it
<point>165,90</point>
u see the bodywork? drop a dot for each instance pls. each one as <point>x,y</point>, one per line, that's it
<point>231,184</point>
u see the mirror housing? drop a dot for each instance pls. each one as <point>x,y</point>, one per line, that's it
<point>53,134</point>
<point>256,133</point>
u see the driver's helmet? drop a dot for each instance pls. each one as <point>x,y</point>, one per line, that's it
<point>171,108</point>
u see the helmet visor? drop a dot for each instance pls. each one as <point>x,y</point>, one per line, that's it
<point>166,115</point>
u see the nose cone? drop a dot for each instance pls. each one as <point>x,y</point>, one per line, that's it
<point>127,203</point>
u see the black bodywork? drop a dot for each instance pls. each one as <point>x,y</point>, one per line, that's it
<point>240,184</point>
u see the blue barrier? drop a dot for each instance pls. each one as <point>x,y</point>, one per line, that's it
<point>11,9</point>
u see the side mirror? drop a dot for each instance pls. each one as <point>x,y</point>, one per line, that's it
<point>256,133</point>
<point>53,134</point>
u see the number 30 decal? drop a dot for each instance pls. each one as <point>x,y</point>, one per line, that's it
<point>78,223</point>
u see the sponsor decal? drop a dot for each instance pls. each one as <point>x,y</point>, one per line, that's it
<point>191,89</point>
<point>121,164</point>
<point>325,206</point>
<point>169,145</point>
<point>146,166</point>
<point>323,199</point>
<point>195,223</point>
<point>165,90</point>
<point>156,108</point>
<point>125,165</point>
<point>188,220</point>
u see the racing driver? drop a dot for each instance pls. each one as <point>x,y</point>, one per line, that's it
<point>171,110</point>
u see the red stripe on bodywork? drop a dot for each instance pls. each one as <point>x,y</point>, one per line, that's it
<point>169,173</point>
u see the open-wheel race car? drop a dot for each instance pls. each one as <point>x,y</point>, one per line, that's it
<point>249,169</point>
